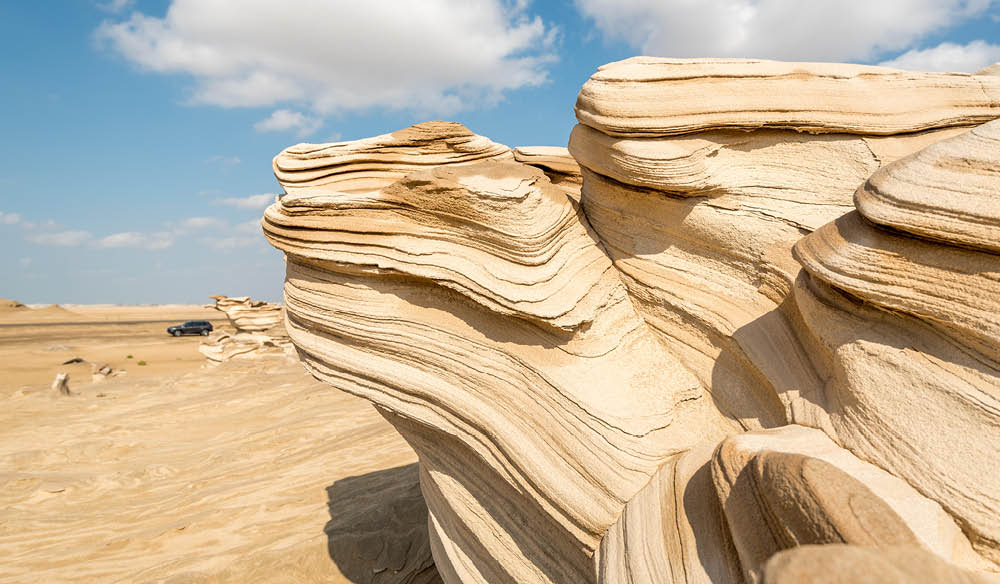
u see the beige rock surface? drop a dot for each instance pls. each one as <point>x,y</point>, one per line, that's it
<point>557,164</point>
<point>946,192</point>
<point>372,163</point>
<point>260,331</point>
<point>926,321</point>
<point>566,368</point>
<point>466,294</point>
<point>843,564</point>
<point>648,96</point>
<point>249,315</point>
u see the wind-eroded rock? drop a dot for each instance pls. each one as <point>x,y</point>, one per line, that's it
<point>474,305</point>
<point>369,164</point>
<point>648,96</point>
<point>907,305</point>
<point>642,382</point>
<point>847,564</point>
<point>259,332</point>
<point>249,315</point>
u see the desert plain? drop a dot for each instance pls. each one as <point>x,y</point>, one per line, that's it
<point>178,471</point>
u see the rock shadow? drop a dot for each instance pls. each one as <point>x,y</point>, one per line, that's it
<point>377,533</point>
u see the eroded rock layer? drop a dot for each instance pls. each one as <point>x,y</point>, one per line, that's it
<point>927,319</point>
<point>475,306</point>
<point>260,331</point>
<point>702,355</point>
<point>647,96</point>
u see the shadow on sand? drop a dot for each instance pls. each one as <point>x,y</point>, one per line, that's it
<point>377,531</point>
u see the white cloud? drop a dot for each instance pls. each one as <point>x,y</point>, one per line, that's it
<point>282,120</point>
<point>9,218</point>
<point>820,30</point>
<point>948,57</point>
<point>224,160</point>
<point>61,238</point>
<point>204,223</point>
<point>149,241</point>
<point>250,202</point>
<point>432,56</point>
<point>24,261</point>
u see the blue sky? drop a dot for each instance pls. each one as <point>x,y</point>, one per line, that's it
<point>137,137</point>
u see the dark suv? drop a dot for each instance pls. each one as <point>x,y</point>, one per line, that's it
<point>191,327</point>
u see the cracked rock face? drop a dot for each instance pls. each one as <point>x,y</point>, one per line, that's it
<point>723,341</point>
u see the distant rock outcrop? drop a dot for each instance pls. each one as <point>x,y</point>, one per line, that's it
<point>259,331</point>
<point>759,330</point>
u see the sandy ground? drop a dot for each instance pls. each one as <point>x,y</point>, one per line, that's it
<point>247,472</point>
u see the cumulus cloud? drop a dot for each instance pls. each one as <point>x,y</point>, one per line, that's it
<point>948,57</point>
<point>149,241</point>
<point>250,202</point>
<point>9,218</point>
<point>61,238</point>
<point>822,30</point>
<point>283,120</point>
<point>432,56</point>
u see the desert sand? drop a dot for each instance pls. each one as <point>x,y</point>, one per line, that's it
<point>249,471</point>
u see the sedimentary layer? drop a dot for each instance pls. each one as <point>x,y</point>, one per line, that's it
<point>475,307</point>
<point>371,163</point>
<point>643,382</point>
<point>647,96</point>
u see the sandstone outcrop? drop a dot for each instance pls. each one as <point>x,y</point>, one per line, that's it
<point>249,315</point>
<point>260,331</point>
<point>638,379</point>
<point>906,288</point>
<point>557,164</point>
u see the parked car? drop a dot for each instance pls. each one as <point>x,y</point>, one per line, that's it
<point>191,327</point>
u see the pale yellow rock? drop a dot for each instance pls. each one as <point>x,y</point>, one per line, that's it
<point>498,233</point>
<point>848,564</point>
<point>565,368</point>
<point>946,192</point>
<point>474,305</point>
<point>673,530</point>
<point>647,96</point>
<point>953,288</point>
<point>794,486</point>
<point>556,163</point>
<point>369,164</point>
<point>249,315</point>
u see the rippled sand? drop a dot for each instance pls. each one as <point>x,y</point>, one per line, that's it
<point>248,472</point>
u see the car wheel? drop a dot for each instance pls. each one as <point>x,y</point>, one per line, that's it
<point>177,333</point>
<point>204,332</point>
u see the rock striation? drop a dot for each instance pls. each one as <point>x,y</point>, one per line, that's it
<point>751,333</point>
<point>248,315</point>
<point>259,331</point>
<point>906,288</point>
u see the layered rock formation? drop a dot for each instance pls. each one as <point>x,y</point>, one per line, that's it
<point>627,376</point>
<point>260,331</point>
